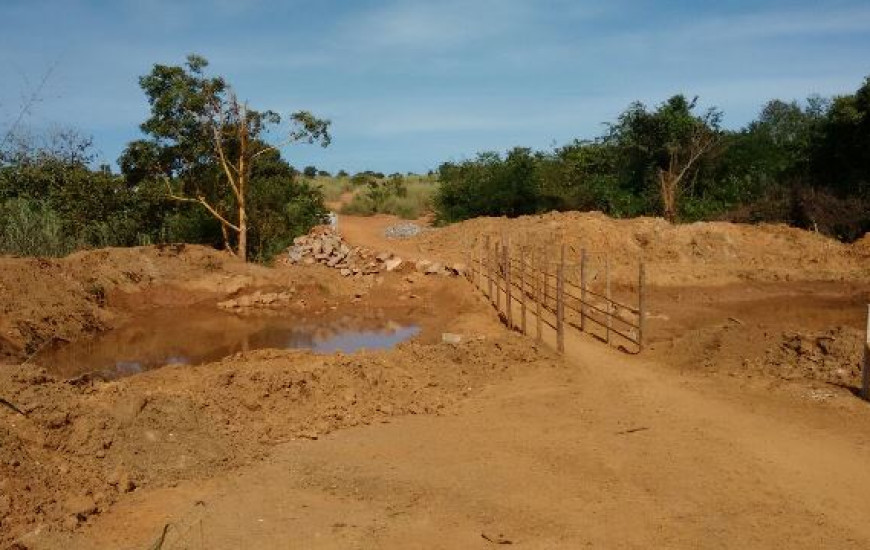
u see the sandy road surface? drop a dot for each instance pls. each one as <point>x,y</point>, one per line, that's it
<point>368,232</point>
<point>608,452</point>
<point>605,450</point>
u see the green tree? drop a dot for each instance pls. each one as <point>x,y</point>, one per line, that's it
<point>489,186</point>
<point>203,142</point>
<point>665,147</point>
<point>841,156</point>
<point>281,207</point>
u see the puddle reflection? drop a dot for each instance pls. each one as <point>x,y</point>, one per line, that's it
<point>192,337</point>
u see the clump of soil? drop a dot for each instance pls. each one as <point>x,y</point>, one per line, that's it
<point>76,446</point>
<point>833,356</point>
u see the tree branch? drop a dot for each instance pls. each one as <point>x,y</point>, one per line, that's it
<point>227,167</point>
<point>704,146</point>
<point>275,147</point>
<point>219,147</point>
<point>200,200</point>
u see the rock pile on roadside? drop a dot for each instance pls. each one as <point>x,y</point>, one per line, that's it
<point>402,230</point>
<point>325,246</point>
<point>259,299</point>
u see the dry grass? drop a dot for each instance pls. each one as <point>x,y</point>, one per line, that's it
<point>410,201</point>
<point>332,187</point>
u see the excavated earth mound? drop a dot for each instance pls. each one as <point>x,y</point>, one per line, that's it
<point>45,301</point>
<point>69,449</point>
<point>832,356</point>
<point>709,253</point>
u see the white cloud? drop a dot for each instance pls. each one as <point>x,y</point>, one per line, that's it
<point>782,23</point>
<point>419,25</point>
<point>432,25</point>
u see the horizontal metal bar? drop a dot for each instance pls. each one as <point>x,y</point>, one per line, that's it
<point>611,300</point>
<point>599,310</point>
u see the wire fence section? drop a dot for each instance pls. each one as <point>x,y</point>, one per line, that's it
<point>548,284</point>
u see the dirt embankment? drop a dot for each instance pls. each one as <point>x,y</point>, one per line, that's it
<point>788,332</point>
<point>56,300</point>
<point>75,448</point>
<point>70,448</point>
<point>725,298</point>
<point>704,253</point>
<point>43,299</point>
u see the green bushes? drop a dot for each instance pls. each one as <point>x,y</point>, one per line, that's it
<point>281,210</point>
<point>803,164</point>
<point>490,186</point>
<point>409,198</point>
<point>333,188</point>
<point>51,207</point>
<point>32,228</point>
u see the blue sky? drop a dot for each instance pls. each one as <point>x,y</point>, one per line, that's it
<point>410,83</point>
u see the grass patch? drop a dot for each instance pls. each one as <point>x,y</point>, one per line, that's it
<point>32,228</point>
<point>332,187</point>
<point>406,197</point>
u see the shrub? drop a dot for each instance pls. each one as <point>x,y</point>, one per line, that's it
<point>281,210</point>
<point>333,188</point>
<point>489,186</point>
<point>32,228</point>
<point>408,199</point>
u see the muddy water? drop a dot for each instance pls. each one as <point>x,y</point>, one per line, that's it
<point>196,336</point>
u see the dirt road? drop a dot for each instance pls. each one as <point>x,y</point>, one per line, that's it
<point>691,445</point>
<point>368,232</point>
<point>607,452</point>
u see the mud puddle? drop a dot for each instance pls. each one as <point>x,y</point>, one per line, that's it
<point>196,336</point>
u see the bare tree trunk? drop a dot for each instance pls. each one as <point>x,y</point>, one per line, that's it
<point>680,164</point>
<point>243,184</point>
<point>243,232</point>
<point>668,184</point>
<point>226,235</point>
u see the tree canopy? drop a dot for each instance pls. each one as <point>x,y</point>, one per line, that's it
<point>803,163</point>
<point>204,144</point>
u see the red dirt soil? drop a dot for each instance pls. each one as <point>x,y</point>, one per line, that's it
<point>738,427</point>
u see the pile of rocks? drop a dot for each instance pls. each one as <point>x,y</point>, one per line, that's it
<point>259,299</point>
<point>402,230</point>
<point>325,246</point>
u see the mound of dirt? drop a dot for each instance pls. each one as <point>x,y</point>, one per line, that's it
<point>76,446</point>
<point>832,356</point>
<point>45,299</point>
<point>698,253</point>
<point>861,247</point>
<point>55,300</point>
